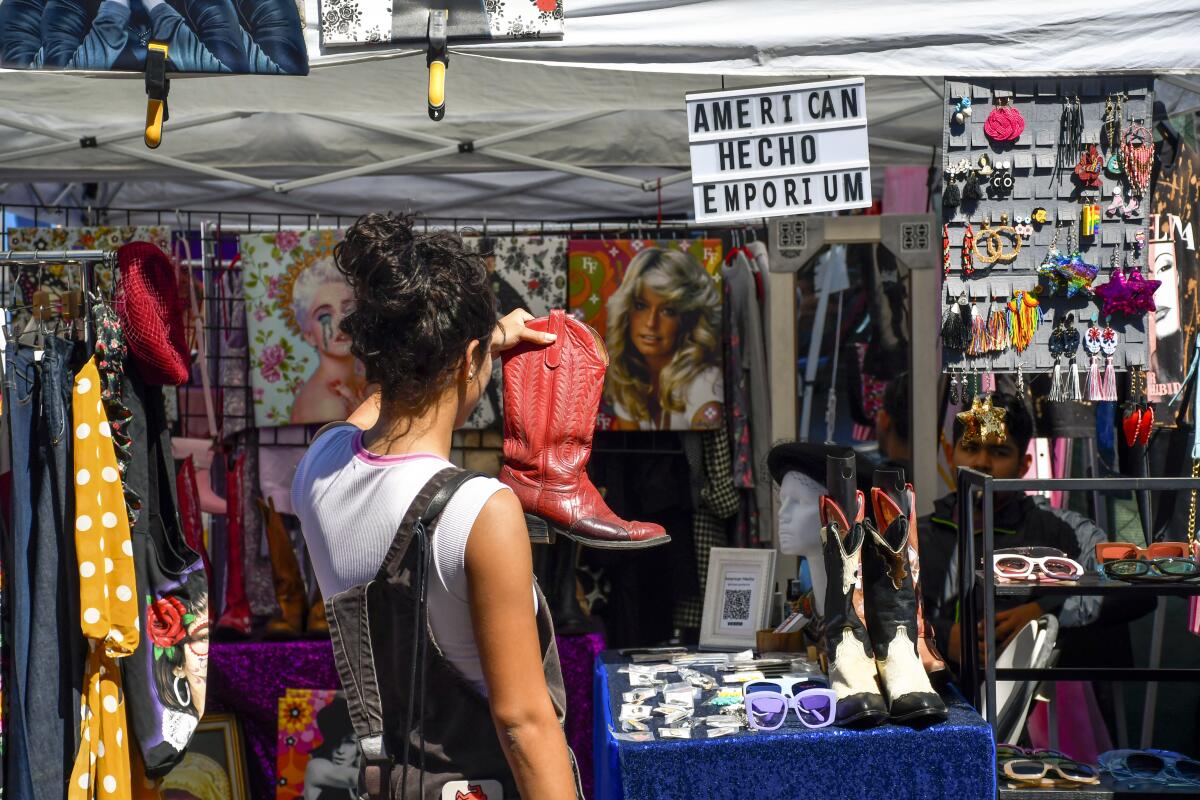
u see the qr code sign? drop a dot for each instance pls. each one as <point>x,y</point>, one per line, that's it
<point>737,605</point>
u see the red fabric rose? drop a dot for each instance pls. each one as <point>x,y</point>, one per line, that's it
<point>164,621</point>
<point>546,6</point>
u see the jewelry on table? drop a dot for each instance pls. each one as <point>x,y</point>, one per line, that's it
<point>1070,136</point>
<point>1071,349</point>
<point>1115,293</point>
<point>968,250</point>
<point>985,165</point>
<point>970,191</point>
<point>1141,292</point>
<point>962,111</point>
<point>1108,346</point>
<point>1001,184</point>
<point>1091,344</point>
<point>945,249</point>
<point>1005,123</point>
<point>1087,170</point>
<point>994,245</point>
<point>1024,227</point>
<point>1112,135</point>
<point>1137,154</point>
<point>1089,220</point>
<point>1024,317</point>
<point>956,326</point>
<point>1056,350</point>
<point>1039,216</point>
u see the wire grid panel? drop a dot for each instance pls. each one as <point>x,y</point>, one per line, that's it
<point>1037,182</point>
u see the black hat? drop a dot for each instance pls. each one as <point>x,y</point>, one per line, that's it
<point>809,458</point>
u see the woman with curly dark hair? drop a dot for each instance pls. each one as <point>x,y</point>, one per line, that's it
<point>424,327</point>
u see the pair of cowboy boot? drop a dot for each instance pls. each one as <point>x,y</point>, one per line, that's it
<point>882,652</point>
<point>290,621</point>
<point>551,401</point>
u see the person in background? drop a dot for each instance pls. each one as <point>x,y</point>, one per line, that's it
<point>891,425</point>
<point>1019,522</point>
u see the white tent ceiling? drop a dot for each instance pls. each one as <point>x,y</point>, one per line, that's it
<point>254,143</point>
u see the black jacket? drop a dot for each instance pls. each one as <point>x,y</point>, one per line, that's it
<point>1019,522</point>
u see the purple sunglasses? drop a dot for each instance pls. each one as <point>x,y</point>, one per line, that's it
<point>767,710</point>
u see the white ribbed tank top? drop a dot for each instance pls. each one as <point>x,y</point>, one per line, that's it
<point>350,502</point>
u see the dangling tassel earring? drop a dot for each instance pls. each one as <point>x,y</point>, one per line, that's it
<point>978,344</point>
<point>1070,341</point>
<point>1056,350</point>
<point>951,196</point>
<point>956,330</point>
<point>1091,344</point>
<point>953,388</point>
<point>987,383</point>
<point>1108,343</point>
<point>1020,379</point>
<point>971,192</point>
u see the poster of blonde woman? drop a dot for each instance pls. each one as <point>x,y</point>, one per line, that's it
<point>301,369</point>
<point>658,305</point>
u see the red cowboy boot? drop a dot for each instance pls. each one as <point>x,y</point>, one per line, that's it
<point>551,399</point>
<point>235,619</point>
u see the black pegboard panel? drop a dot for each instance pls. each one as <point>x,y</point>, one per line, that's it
<point>1039,181</point>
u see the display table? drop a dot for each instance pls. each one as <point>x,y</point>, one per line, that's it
<point>248,678</point>
<point>955,759</point>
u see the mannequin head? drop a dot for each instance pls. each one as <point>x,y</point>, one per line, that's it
<point>799,517</point>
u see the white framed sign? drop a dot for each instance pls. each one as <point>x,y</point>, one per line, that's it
<point>737,597</point>
<point>779,150</point>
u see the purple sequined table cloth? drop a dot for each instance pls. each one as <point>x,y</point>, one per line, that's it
<point>248,678</point>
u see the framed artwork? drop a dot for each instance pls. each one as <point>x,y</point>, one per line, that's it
<point>317,755</point>
<point>301,370</point>
<point>527,272</point>
<point>737,597</point>
<point>658,306</point>
<point>362,22</point>
<point>250,36</point>
<point>214,767</point>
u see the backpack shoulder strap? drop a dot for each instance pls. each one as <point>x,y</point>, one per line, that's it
<point>426,507</point>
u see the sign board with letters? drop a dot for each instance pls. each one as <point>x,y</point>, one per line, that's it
<point>779,150</point>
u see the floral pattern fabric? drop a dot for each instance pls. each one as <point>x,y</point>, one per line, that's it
<point>107,593</point>
<point>351,22</point>
<point>527,272</point>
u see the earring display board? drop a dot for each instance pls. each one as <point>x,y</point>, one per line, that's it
<point>1046,175</point>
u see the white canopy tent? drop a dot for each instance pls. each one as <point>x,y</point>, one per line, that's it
<point>528,134</point>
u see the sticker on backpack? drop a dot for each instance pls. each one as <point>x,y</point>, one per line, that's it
<point>473,790</point>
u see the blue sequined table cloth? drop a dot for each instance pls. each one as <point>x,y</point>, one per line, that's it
<point>955,759</point>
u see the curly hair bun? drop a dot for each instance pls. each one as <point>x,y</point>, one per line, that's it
<point>420,300</point>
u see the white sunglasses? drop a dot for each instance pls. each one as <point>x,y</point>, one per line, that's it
<point>1022,567</point>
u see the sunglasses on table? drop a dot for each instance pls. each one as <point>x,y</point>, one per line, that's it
<point>1018,566</point>
<point>1152,569</point>
<point>1046,768</point>
<point>1160,766</point>
<point>767,710</point>
<point>1123,551</point>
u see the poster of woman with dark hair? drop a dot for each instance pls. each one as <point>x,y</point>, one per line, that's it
<point>219,36</point>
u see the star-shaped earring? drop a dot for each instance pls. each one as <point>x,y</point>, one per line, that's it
<point>991,423</point>
<point>1141,292</point>
<point>971,422</point>
<point>1114,294</point>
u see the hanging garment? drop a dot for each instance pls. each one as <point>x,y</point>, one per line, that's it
<point>717,501</point>
<point>166,677</point>
<point>235,612</point>
<point>108,608</point>
<point>746,325</point>
<point>111,353</point>
<point>48,648</point>
<point>451,730</point>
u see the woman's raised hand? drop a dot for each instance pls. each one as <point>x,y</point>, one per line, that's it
<point>511,331</point>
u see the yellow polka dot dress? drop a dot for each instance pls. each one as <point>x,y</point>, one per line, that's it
<point>108,602</point>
